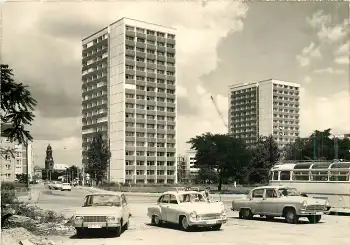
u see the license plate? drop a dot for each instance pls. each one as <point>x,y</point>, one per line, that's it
<point>211,222</point>
<point>319,213</point>
<point>94,226</point>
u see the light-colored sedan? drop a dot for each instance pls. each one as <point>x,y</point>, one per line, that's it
<point>66,187</point>
<point>188,209</point>
<point>279,201</point>
<point>55,185</point>
<point>107,210</point>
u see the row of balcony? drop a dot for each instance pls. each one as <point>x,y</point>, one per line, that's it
<point>150,47</point>
<point>144,177</point>
<point>129,33</point>
<point>145,168</point>
<point>144,158</point>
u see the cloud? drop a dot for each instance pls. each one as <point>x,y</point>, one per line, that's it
<point>329,70</point>
<point>307,54</point>
<point>326,30</point>
<point>343,60</point>
<point>324,112</point>
<point>343,49</point>
<point>307,80</point>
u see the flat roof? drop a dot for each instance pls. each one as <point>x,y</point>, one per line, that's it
<point>273,80</point>
<point>126,18</point>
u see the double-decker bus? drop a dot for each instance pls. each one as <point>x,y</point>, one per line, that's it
<point>318,179</point>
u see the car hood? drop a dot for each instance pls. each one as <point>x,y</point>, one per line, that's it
<point>98,211</point>
<point>309,200</point>
<point>203,208</point>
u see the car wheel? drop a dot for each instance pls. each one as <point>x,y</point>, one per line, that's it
<point>246,213</point>
<point>184,223</point>
<point>156,220</point>
<point>291,216</point>
<point>313,219</point>
<point>216,227</point>
<point>126,226</point>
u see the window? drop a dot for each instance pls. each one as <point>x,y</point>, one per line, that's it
<point>319,175</point>
<point>339,176</point>
<point>173,199</point>
<point>129,153</point>
<point>301,175</point>
<point>285,175</point>
<point>164,199</point>
<point>270,193</point>
<point>258,193</point>
<point>140,153</point>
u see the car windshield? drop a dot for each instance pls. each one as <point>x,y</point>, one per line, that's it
<point>288,192</point>
<point>191,197</point>
<point>104,200</point>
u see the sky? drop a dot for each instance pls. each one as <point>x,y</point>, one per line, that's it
<point>219,43</point>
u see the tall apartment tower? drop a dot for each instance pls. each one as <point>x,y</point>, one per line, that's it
<point>269,107</point>
<point>128,94</point>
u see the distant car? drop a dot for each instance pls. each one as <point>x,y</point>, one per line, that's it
<point>187,208</point>
<point>55,185</point>
<point>280,201</point>
<point>105,210</point>
<point>66,187</point>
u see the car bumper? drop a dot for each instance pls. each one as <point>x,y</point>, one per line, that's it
<point>96,225</point>
<point>308,213</point>
<point>207,222</point>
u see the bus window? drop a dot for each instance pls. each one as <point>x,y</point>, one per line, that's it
<point>275,175</point>
<point>285,175</point>
<point>319,175</point>
<point>339,176</point>
<point>301,175</point>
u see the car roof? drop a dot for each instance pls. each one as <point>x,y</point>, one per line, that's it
<point>181,192</point>
<point>111,193</point>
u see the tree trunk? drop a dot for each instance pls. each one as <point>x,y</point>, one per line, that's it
<point>220,184</point>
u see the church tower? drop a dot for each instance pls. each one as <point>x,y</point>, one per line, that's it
<point>49,162</point>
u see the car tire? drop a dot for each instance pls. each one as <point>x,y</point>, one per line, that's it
<point>126,226</point>
<point>156,220</point>
<point>313,219</point>
<point>184,223</point>
<point>291,216</point>
<point>246,213</point>
<point>216,227</point>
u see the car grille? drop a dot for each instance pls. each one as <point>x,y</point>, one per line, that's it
<point>94,218</point>
<point>315,208</point>
<point>209,216</point>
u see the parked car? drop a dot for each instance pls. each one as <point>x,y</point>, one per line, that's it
<point>280,201</point>
<point>187,208</point>
<point>105,210</point>
<point>66,187</point>
<point>55,185</point>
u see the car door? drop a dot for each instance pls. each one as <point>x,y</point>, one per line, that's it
<point>172,209</point>
<point>269,204</point>
<point>125,209</point>
<point>256,201</point>
<point>164,207</point>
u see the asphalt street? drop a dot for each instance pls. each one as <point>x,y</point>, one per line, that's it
<point>331,230</point>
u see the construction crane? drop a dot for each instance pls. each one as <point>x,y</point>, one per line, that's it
<point>220,114</point>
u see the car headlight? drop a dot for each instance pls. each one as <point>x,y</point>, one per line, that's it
<point>111,219</point>
<point>223,213</point>
<point>78,218</point>
<point>327,203</point>
<point>304,205</point>
<point>193,215</point>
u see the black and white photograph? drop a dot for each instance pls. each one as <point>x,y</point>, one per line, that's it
<point>171,122</point>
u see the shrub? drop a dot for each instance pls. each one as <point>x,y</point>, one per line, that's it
<point>8,193</point>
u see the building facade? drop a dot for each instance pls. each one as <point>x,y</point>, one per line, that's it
<point>269,107</point>
<point>129,94</point>
<point>19,163</point>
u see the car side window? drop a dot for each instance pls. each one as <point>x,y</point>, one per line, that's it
<point>86,201</point>
<point>258,193</point>
<point>166,199</point>
<point>270,193</point>
<point>173,199</point>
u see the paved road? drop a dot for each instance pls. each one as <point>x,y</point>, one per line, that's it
<point>332,229</point>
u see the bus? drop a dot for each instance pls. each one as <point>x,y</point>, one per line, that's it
<point>324,179</point>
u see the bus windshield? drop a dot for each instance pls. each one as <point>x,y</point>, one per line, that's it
<point>288,192</point>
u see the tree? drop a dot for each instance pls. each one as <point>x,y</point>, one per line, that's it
<point>22,178</point>
<point>73,171</point>
<point>98,157</point>
<point>207,174</point>
<point>224,153</point>
<point>264,155</point>
<point>17,105</point>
